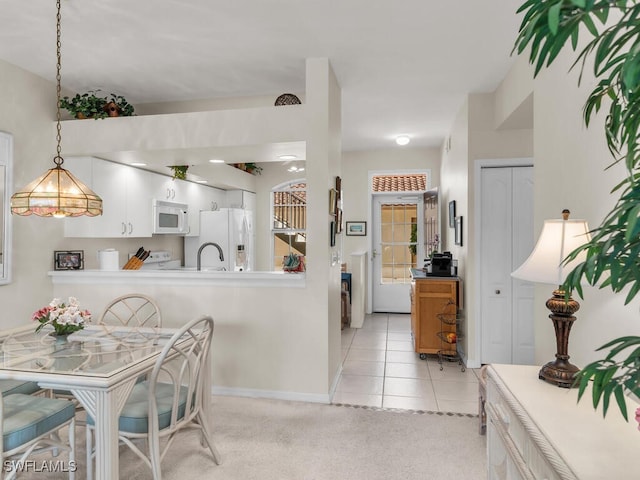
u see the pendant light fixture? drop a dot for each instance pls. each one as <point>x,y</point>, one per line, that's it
<point>56,193</point>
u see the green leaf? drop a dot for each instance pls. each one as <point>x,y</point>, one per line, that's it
<point>554,17</point>
<point>579,3</point>
<point>622,403</point>
<point>590,25</point>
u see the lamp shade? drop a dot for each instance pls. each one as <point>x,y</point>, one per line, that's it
<point>557,240</point>
<point>56,193</point>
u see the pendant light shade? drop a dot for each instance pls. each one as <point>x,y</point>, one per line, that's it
<point>56,193</point>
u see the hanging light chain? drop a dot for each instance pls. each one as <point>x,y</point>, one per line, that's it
<point>58,160</point>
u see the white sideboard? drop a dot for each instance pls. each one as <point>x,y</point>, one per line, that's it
<point>536,430</point>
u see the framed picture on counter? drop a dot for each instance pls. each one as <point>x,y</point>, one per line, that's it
<point>68,260</point>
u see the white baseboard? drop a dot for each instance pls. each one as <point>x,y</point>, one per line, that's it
<point>280,395</point>
<point>275,394</point>
<point>334,384</point>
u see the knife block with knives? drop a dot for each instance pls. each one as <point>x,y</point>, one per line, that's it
<point>135,262</point>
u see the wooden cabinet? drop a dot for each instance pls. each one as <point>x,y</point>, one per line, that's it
<point>536,430</point>
<point>430,297</point>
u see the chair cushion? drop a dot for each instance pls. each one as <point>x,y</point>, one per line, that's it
<point>135,413</point>
<point>9,387</point>
<point>27,417</point>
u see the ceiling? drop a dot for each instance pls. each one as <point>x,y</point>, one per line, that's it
<point>405,67</point>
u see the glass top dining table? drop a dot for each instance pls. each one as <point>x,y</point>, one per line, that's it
<point>99,365</point>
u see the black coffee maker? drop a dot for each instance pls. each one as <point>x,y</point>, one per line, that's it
<point>440,265</point>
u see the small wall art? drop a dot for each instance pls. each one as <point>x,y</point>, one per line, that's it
<point>356,229</point>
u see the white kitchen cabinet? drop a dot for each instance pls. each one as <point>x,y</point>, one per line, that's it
<point>241,199</point>
<point>127,196</point>
<point>126,203</point>
<point>199,198</point>
<point>170,189</point>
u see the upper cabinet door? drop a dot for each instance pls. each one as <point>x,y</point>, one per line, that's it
<point>126,205</point>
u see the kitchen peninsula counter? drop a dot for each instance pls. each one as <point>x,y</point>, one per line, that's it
<point>263,343</point>
<point>179,277</point>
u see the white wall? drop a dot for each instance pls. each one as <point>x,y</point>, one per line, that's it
<point>570,173</point>
<point>569,162</point>
<point>473,138</point>
<point>27,113</point>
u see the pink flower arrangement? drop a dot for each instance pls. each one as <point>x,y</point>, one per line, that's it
<point>638,417</point>
<point>64,318</point>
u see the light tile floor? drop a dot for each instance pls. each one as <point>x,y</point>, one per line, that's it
<point>380,369</point>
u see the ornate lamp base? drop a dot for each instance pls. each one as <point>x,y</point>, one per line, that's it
<point>561,372</point>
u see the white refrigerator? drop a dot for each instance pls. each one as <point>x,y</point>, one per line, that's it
<point>232,230</point>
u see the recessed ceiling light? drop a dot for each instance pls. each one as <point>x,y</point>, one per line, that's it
<point>138,164</point>
<point>295,169</point>
<point>216,160</point>
<point>201,181</point>
<point>287,157</point>
<point>402,139</point>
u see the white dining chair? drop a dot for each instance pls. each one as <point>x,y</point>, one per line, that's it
<point>30,425</point>
<point>9,387</point>
<point>169,401</point>
<point>133,310</point>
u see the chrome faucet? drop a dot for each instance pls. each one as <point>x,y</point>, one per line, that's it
<point>199,259</point>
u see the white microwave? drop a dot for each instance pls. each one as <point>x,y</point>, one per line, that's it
<point>170,218</point>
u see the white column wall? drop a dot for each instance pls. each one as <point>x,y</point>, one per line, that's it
<point>323,102</point>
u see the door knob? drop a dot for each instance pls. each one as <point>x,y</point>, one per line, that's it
<point>497,292</point>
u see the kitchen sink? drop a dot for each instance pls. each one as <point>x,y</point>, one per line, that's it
<point>193,269</point>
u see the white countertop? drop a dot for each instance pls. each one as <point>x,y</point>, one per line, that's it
<point>593,447</point>
<point>180,277</point>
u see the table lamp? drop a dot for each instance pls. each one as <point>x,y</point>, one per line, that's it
<point>545,265</point>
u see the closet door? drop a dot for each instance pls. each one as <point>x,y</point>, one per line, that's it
<point>506,240</point>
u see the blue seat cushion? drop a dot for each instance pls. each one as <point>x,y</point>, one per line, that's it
<point>135,413</point>
<point>27,417</point>
<point>9,387</point>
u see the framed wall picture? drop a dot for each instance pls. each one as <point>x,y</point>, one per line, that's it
<point>452,214</point>
<point>333,201</point>
<point>356,229</point>
<point>458,226</point>
<point>332,234</point>
<point>339,221</point>
<point>68,260</point>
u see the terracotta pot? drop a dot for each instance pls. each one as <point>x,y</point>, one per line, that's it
<point>112,109</point>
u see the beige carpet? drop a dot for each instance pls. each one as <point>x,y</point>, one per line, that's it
<point>279,440</point>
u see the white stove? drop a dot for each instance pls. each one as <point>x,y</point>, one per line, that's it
<point>159,260</point>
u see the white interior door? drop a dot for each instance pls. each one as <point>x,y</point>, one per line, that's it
<point>506,240</point>
<point>394,252</point>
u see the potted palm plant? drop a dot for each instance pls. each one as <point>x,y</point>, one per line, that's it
<point>613,254</point>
